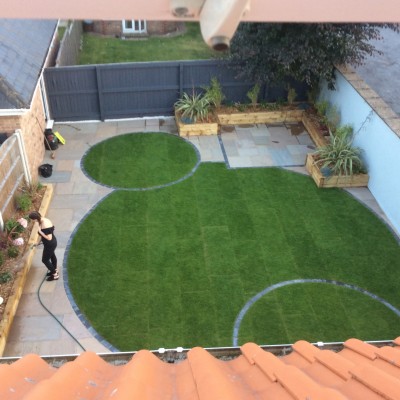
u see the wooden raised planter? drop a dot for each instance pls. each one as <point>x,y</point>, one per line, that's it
<point>198,128</point>
<point>357,180</point>
<point>260,117</point>
<point>314,132</point>
<point>19,282</point>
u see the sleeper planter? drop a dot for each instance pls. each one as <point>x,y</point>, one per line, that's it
<point>19,282</point>
<point>195,128</point>
<point>357,180</point>
<point>275,117</point>
<point>252,117</point>
<point>260,117</point>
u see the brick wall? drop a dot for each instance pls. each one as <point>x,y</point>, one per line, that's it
<point>164,27</point>
<point>31,124</point>
<point>109,28</point>
<point>32,127</point>
<point>114,28</point>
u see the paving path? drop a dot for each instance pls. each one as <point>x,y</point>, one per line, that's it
<point>34,330</point>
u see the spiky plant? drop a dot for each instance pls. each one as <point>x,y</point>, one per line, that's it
<point>195,107</point>
<point>340,157</point>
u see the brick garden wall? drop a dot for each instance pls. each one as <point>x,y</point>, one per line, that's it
<point>31,124</point>
<point>114,28</point>
<point>108,28</point>
<point>32,127</point>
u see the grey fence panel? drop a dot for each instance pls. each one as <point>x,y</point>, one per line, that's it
<point>129,90</point>
<point>72,93</point>
<point>138,89</point>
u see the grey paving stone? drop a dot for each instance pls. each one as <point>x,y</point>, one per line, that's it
<point>261,140</point>
<point>57,176</point>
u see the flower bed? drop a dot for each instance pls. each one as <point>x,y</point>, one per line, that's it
<point>259,117</point>
<point>18,269</point>
<point>356,180</point>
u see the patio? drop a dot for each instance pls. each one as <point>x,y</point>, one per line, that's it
<point>34,330</point>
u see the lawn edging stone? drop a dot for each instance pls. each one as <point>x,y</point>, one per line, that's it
<point>19,283</point>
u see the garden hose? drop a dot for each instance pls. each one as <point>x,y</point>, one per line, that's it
<point>62,326</point>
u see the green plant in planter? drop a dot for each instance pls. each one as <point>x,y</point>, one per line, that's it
<point>13,226</point>
<point>332,117</point>
<point>195,107</point>
<point>214,93</point>
<point>241,107</point>
<point>292,94</point>
<point>253,93</point>
<point>24,202</point>
<point>5,277</point>
<point>31,189</point>
<point>322,107</point>
<point>13,251</point>
<point>340,157</point>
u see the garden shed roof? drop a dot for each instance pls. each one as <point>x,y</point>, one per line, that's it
<point>24,45</point>
<point>359,371</point>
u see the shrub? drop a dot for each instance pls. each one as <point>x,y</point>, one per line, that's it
<point>12,226</point>
<point>32,189</point>
<point>214,93</point>
<point>332,118</point>
<point>322,107</point>
<point>195,107</point>
<point>5,277</point>
<point>24,202</point>
<point>253,93</point>
<point>13,251</point>
<point>340,157</point>
<point>1,258</point>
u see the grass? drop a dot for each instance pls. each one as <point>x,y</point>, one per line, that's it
<point>104,50</point>
<point>140,160</point>
<point>174,266</point>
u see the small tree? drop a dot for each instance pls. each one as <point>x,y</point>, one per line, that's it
<point>253,93</point>
<point>214,93</point>
<point>270,53</point>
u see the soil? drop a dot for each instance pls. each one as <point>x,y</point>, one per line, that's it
<point>224,109</point>
<point>13,265</point>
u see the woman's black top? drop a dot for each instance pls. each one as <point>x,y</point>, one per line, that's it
<point>48,231</point>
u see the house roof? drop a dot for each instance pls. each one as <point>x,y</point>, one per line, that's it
<point>359,371</point>
<point>24,45</point>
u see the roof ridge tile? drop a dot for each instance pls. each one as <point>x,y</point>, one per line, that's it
<point>269,364</point>
<point>362,348</point>
<point>377,380</point>
<point>335,363</point>
<point>306,350</point>
<point>212,378</point>
<point>250,351</point>
<point>389,354</point>
<point>300,386</point>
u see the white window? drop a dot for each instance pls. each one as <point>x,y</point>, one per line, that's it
<point>134,26</point>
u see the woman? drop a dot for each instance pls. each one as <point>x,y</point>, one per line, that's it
<point>46,232</point>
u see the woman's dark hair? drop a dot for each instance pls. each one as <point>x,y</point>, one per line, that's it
<point>35,215</point>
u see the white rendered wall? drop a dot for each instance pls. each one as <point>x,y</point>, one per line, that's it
<point>381,145</point>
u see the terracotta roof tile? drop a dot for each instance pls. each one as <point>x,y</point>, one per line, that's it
<point>359,371</point>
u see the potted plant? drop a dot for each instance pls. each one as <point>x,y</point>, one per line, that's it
<point>338,163</point>
<point>192,114</point>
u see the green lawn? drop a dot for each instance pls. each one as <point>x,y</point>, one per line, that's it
<point>103,50</point>
<point>174,266</point>
<point>140,160</point>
